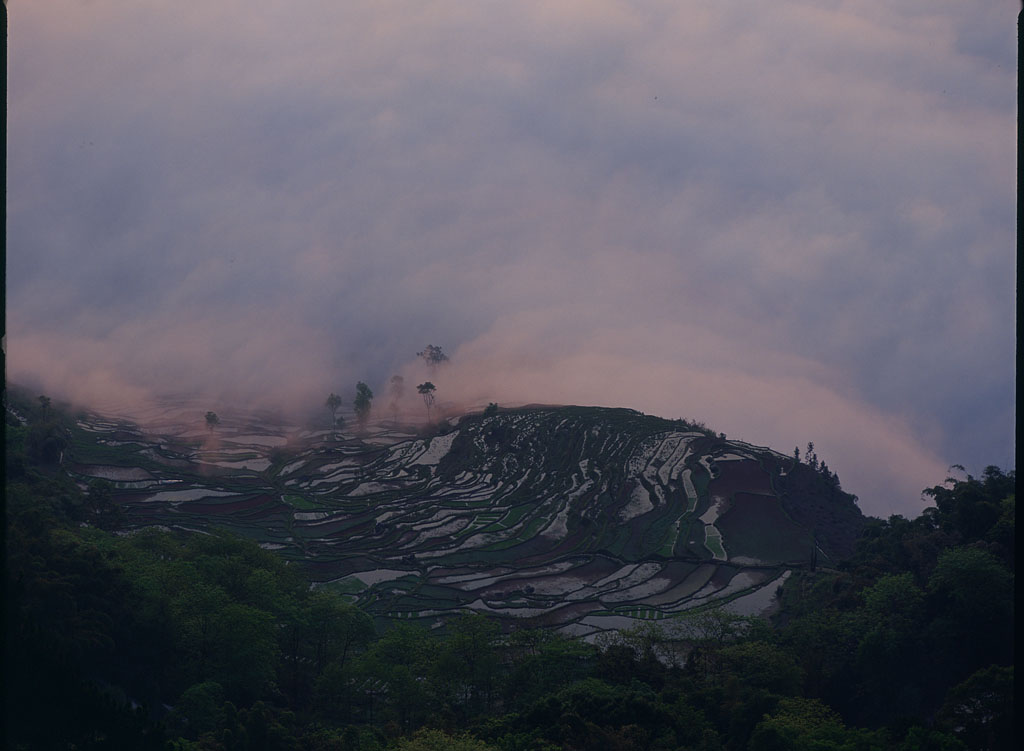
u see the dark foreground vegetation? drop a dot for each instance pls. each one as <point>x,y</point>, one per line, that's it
<point>173,641</point>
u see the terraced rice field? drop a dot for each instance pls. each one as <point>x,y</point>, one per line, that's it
<point>583,519</point>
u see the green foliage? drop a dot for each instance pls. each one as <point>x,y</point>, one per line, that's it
<point>199,709</point>
<point>890,628</point>
<point>921,605</point>
<point>592,714</point>
<point>467,666</point>
<point>46,441</point>
<point>99,506</point>
<point>68,612</point>
<point>42,441</point>
<point>972,594</point>
<point>760,665</point>
<point>539,661</point>
<point>438,740</point>
<point>808,725</point>
<point>919,738</point>
<point>396,675</point>
<point>979,711</point>
<point>973,506</point>
<point>973,582</point>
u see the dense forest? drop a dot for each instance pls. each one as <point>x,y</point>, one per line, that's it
<point>173,641</point>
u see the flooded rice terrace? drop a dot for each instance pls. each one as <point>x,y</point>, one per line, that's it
<point>582,519</point>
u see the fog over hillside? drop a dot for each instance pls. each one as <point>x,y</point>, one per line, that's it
<point>792,221</point>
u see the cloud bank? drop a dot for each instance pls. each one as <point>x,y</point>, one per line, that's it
<point>792,221</point>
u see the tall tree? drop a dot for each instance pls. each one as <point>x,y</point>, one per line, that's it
<point>332,403</point>
<point>397,669</point>
<point>426,390</point>
<point>468,662</point>
<point>212,421</point>
<point>396,387</point>
<point>362,402</point>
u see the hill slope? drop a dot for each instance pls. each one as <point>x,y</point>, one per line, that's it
<point>581,518</point>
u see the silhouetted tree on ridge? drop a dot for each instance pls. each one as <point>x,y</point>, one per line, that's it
<point>426,390</point>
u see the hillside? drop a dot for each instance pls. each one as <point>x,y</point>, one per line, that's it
<point>577,517</point>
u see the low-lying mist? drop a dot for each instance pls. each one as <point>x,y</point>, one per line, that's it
<point>671,371</point>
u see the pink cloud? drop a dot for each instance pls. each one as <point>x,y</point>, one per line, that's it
<point>674,370</point>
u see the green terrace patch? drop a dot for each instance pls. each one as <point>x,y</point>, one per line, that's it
<point>300,502</point>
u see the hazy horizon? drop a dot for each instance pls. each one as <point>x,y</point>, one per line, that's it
<point>793,222</point>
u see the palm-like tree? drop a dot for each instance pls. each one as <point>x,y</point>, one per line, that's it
<point>426,390</point>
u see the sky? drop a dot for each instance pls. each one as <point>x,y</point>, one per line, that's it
<point>792,221</point>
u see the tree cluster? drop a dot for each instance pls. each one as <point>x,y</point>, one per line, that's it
<point>433,356</point>
<point>362,403</point>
